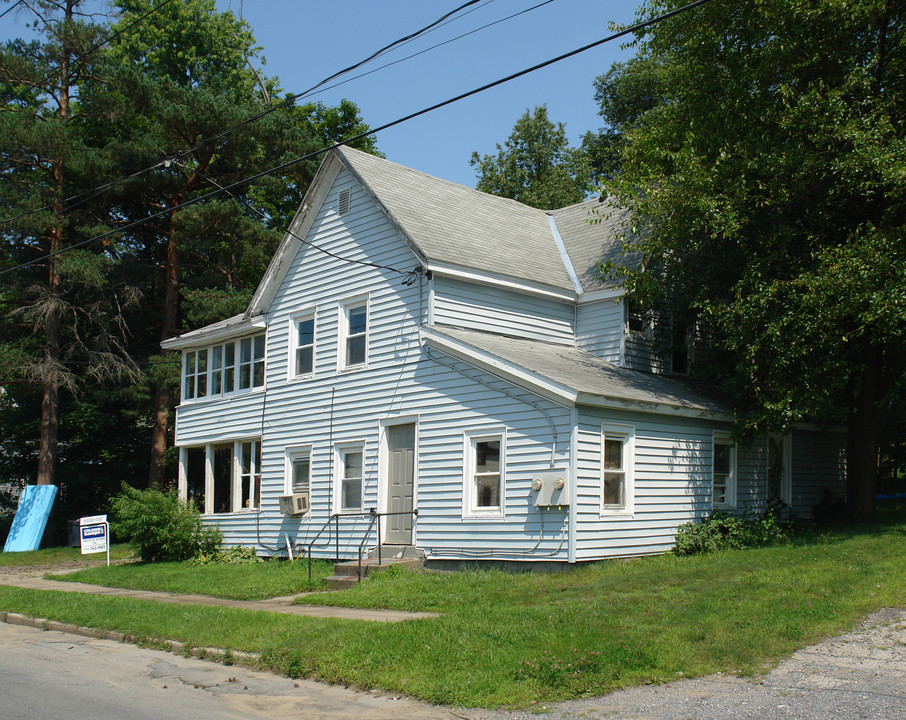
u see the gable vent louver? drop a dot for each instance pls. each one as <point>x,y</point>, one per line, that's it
<point>344,201</point>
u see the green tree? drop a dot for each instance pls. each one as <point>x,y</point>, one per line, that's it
<point>536,165</point>
<point>768,186</point>
<point>64,317</point>
<point>624,94</point>
<point>188,76</point>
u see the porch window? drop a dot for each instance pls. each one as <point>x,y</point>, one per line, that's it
<point>195,380</point>
<point>484,487</point>
<point>617,450</point>
<point>212,371</point>
<point>251,362</point>
<point>350,485</point>
<point>222,477</point>
<point>723,471</point>
<point>249,475</point>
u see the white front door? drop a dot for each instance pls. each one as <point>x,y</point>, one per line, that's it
<point>400,483</point>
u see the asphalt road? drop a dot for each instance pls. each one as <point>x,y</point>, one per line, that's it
<point>49,675</point>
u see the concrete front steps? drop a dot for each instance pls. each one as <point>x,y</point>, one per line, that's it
<point>346,574</point>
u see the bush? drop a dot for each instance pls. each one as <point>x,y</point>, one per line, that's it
<point>160,526</point>
<point>723,531</point>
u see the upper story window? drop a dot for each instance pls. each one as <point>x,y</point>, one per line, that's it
<point>354,334</point>
<point>214,371</point>
<point>302,362</point>
<point>723,471</point>
<point>251,362</point>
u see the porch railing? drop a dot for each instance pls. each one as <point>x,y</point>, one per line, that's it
<point>334,519</point>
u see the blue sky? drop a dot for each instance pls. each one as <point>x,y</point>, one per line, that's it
<point>305,42</point>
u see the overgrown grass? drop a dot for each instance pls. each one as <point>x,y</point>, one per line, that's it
<point>57,555</point>
<point>510,639</point>
<point>247,581</point>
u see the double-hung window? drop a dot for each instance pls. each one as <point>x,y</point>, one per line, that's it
<point>351,463</point>
<point>617,486</point>
<point>302,339</point>
<point>723,471</point>
<point>354,334</point>
<point>300,470</point>
<point>483,491</point>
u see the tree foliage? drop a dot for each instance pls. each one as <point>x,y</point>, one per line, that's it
<point>536,165</point>
<point>767,179</point>
<point>80,331</point>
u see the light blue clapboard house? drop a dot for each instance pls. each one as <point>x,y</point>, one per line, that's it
<point>451,361</point>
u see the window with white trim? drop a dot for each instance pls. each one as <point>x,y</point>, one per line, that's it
<point>303,345</point>
<point>213,372</point>
<point>353,334</point>
<point>195,378</point>
<point>298,468</point>
<point>483,491</point>
<point>249,475</point>
<point>617,460</point>
<point>222,477</point>
<point>350,466</point>
<point>723,471</point>
<point>251,362</point>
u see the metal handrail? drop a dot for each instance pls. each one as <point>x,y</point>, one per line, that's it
<point>334,518</point>
<point>375,518</point>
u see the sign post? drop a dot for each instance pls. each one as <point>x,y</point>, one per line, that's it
<point>95,532</point>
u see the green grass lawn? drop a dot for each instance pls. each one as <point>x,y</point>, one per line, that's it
<point>254,581</point>
<point>506,639</point>
<point>57,555</point>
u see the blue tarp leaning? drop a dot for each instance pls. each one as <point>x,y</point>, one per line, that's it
<point>31,518</point>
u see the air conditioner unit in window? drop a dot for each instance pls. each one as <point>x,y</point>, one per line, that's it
<point>295,504</point>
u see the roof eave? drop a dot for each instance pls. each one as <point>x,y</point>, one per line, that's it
<point>203,336</point>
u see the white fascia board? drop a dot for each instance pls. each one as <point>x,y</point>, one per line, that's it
<point>538,384</point>
<point>564,255</point>
<point>484,278</point>
<point>609,294</point>
<point>199,338</point>
<point>292,240</point>
<point>615,403</point>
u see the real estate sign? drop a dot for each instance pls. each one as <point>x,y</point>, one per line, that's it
<point>95,533</point>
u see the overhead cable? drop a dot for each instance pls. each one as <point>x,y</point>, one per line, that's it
<point>385,126</point>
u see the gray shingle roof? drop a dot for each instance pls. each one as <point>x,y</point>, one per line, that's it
<point>584,373</point>
<point>591,233</point>
<point>456,225</point>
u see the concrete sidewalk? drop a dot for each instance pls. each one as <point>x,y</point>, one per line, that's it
<point>33,578</point>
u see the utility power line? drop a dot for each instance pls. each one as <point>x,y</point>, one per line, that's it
<point>87,195</point>
<point>385,126</point>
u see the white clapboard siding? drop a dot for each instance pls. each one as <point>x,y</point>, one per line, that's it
<point>672,483</point>
<point>332,408</point>
<point>599,329</point>
<point>491,309</point>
